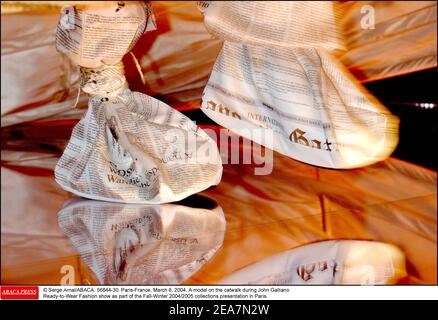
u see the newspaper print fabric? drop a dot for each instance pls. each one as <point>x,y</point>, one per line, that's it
<point>277,75</point>
<point>129,147</point>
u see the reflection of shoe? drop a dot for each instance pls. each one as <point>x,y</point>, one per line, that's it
<point>327,262</point>
<point>143,244</point>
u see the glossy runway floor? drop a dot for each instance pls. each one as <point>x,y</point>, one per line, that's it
<point>293,226</point>
<point>249,229</point>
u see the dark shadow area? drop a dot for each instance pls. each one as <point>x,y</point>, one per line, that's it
<point>403,95</point>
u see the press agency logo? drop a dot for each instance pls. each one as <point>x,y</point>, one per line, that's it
<point>19,292</point>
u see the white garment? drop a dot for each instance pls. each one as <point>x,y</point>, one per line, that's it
<point>129,147</point>
<point>276,74</point>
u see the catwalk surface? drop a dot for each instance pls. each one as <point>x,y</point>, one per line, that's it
<point>393,202</point>
<point>248,224</point>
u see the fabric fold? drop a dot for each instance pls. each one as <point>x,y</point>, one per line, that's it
<point>129,147</point>
<point>277,75</point>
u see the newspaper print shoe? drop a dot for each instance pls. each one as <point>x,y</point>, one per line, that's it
<point>134,148</point>
<point>277,76</point>
<point>352,262</point>
<point>305,99</point>
<point>129,147</point>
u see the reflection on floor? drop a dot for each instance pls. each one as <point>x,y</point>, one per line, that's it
<point>156,244</point>
<point>327,262</point>
<point>50,238</point>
